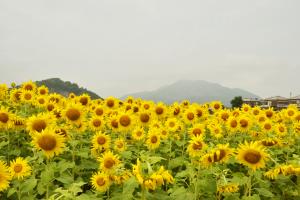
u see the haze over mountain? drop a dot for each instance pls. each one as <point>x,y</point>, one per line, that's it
<point>194,90</point>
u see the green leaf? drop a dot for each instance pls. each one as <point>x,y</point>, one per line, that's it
<point>254,197</point>
<point>129,187</point>
<point>29,185</point>
<point>11,191</point>
<point>76,187</point>
<point>176,162</point>
<point>264,192</point>
<point>65,179</point>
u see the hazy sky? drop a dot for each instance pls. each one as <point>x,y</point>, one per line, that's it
<point>115,47</point>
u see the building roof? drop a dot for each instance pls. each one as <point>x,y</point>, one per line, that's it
<point>251,99</point>
<point>276,98</point>
<point>296,97</point>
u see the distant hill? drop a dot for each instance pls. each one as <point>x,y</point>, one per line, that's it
<point>65,87</point>
<point>194,90</point>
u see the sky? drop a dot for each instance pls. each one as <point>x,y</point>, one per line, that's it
<point>116,47</point>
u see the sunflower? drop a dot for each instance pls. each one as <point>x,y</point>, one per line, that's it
<point>29,86</point>
<point>101,140</point>
<point>27,96</point>
<point>111,102</point>
<point>232,124</point>
<point>280,129</point>
<point>73,113</point>
<point>269,113</point>
<point>3,91</point>
<point>291,111</point>
<point>196,146</point>
<point>99,110</point>
<point>228,188</point>
<point>113,122</point>
<point>38,123</point>
<point>201,111</point>
<point>220,154</point>
<point>256,110</point>
<point>172,124</point>
<point>40,101</point>
<point>197,130</point>
<point>153,140</point>
<point>267,126</point>
<point>246,108</point>
<point>43,90</point>
<point>175,110</point>
<point>163,133</point>
<point>245,123</point>
<point>5,118</point>
<point>126,121</point>
<point>100,181</point>
<point>189,116</point>
<point>216,106</point>
<point>84,99</point>
<point>15,95</point>
<point>215,129</point>
<point>252,155</point>
<point>144,117</point>
<point>49,142</point>
<point>160,110</point>
<point>96,123</point>
<point>109,162</point>
<point>5,176</point>
<point>224,115</point>
<point>269,142</point>
<point>138,133</point>
<point>120,145</point>
<point>19,168</point>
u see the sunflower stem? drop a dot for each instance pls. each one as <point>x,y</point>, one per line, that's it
<point>19,190</point>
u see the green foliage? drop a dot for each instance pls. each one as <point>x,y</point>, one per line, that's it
<point>236,102</point>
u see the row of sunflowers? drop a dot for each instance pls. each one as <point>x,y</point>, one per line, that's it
<point>56,147</point>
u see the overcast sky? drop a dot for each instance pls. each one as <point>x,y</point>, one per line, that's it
<point>115,47</point>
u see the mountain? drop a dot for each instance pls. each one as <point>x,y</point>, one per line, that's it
<point>194,90</point>
<point>65,87</point>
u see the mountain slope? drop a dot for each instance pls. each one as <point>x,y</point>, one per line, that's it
<point>195,91</point>
<point>65,87</point>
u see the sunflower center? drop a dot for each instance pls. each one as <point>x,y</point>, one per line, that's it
<point>291,113</point>
<point>114,123</point>
<point>164,132</point>
<point>267,126</point>
<point>50,107</point>
<point>120,145</point>
<point>171,124</point>
<point>159,110</point>
<point>47,142</point>
<point>73,114</point>
<point>42,91</point>
<point>41,101</point>
<point>255,112</point>
<point>144,117</point>
<point>252,157</point>
<point>261,119</point>
<point>101,140</point>
<point>216,106</point>
<point>125,120</point>
<point>281,129</point>
<point>220,155</point>
<point>110,103</point>
<point>269,114</point>
<point>154,139</point>
<point>197,131</point>
<point>97,122</point>
<point>4,117</point>
<point>233,123</point>
<point>99,111</point>
<point>197,146</point>
<point>27,96</point>
<point>100,181</point>
<point>244,123</point>
<point>269,143</point>
<point>39,125</point>
<point>190,116</point>
<point>18,168</point>
<point>146,106</point>
<point>225,116</point>
<point>109,163</point>
<point>17,95</point>
<point>176,111</point>
<point>83,101</point>
<point>28,87</point>
<point>139,133</point>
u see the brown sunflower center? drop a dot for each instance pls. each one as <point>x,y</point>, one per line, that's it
<point>146,106</point>
<point>50,107</point>
<point>28,87</point>
<point>233,123</point>
<point>39,125</point>
<point>281,129</point>
<point>291,113</point>
<point>138,133</point>
<point>176,111</point>
<point>17,95</point>
<point>47,142</point>
<point>269,114</point>
<point>256,112</point>
<point>101,140</point>
<point>109,163</point>
<point>171,124</point>
<point>83,101</point>
<point>99,111</point>
<point>42,91</point>
<point>154,139</point>
<point>159,110</point>
<point>190,116</point>
<point>197,131</point>
<point>114,123</point>
<point>197,146</point>
<point>110,103</point>
<point>97,122</point>
<point>125,120</point>
<point>18,168</point>
<point>244,123</point>
<point>225,116</point>
<point>267,126</point>
<point>4,117</point>
<point>41,101</point>
<point>144,117</point>
<point>216,106</point>
<point>73,114</point>
<point>252,157</point>
<point>27,96</point>
<point>120,145</point>
<point>100,181</point>
<point>220,156</point>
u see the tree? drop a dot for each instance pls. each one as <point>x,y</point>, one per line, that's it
<point>236,102</point>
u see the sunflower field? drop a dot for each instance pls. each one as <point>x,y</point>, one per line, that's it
<point>56,147</point>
